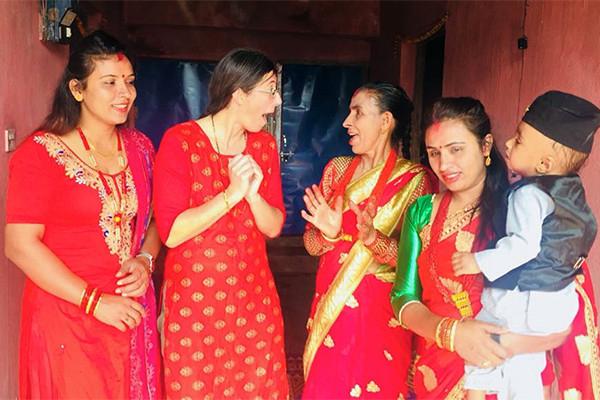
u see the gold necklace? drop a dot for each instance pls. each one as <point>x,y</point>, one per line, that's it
<point>469,207</point>
<point>212,121</point>
<point>89,148</point>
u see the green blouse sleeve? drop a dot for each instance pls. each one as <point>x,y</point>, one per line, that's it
<point>407,286</point>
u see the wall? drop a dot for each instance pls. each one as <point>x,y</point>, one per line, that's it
<point>482,60</point>
<point>29,71</point>
<point>289,31</point>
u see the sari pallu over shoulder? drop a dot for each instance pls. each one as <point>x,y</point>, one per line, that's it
<point>406,181</point>
<point>144,353</point>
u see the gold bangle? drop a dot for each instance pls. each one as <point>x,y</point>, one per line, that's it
<point>226,198</point>
<point>447,334</point>
<point>82,295</point>
<point>97,304</point>
<point>452,335</point>
<point>438,331</point>
<point>90,301</point>
<point>333,240</point>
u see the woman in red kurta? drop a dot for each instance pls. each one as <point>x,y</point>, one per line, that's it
<point>217,195</point>
<point>76,219</point>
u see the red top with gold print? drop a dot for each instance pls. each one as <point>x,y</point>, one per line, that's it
<point>223,326</point>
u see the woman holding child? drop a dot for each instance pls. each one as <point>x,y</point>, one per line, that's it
<point>428,297</point>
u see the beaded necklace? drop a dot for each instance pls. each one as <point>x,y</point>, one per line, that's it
<point>117,198</point>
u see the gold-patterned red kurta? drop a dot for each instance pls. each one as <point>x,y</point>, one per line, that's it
<point>223,329</point>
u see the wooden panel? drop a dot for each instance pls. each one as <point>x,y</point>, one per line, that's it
<point>212,44</point>
<point>354,18</point>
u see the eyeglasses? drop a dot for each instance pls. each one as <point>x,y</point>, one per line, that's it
<point>273,91</point>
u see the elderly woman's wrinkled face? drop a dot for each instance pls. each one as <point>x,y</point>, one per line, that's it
<point>364,123</point>
<point>456,155</point>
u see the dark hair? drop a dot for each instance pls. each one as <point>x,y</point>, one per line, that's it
<point>239,69</point>
<point>572,160</point>
<point>394,100</point>
<point>66,111</point>
<point>472,114</point>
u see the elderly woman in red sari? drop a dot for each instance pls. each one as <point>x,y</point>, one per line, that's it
<point>427,296</point>
<point>83,236</point>
<point>356,348</point>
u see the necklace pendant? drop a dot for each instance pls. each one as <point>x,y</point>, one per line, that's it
<point>121,161</point>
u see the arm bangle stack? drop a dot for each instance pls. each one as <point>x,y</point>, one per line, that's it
<point>90,299</point>
<point>445,332</point>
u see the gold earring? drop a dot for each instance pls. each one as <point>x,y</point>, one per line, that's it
<point>488,161</point>
<point>78,97</point>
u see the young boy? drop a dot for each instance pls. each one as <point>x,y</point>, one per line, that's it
<point>550,229</point>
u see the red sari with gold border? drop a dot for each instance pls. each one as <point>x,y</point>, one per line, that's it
<point>577,362</point>
<point>356,348</point>
<point>425,274</point>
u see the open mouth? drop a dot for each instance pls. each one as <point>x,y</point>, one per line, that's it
<point>121,107</point>
<point>451,178</point>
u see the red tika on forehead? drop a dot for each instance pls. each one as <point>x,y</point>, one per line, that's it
<point>120,56</point>
<point>435,127</point>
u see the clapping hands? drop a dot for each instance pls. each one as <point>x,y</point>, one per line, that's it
<point>245,178</point>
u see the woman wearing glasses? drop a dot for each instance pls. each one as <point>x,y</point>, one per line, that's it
<point>218,195</point>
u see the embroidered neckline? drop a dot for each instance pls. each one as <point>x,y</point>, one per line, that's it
<point>117,234</point>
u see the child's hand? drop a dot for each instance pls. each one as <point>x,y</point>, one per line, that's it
<point>464,264</point>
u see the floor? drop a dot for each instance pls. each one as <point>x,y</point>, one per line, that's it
<point>294,271</point>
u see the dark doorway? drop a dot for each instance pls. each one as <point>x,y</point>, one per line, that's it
<point>428,84</point>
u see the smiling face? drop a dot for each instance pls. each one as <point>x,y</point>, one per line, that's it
<point>260,102</point>
<point>456,155</point>
<point>365,123</point>
<point>108,93</point>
